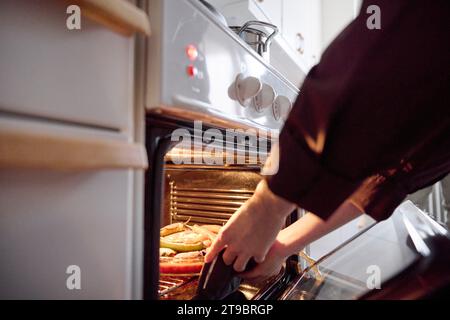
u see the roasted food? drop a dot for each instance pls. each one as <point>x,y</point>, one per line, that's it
<point>212,227</point>
<point>205,232</point>
<point>182,248</point>
<point>185,263</point>
<point>172,228</point>
<point>166,252</point>
<point>189,255</point>
<point>187,237</point>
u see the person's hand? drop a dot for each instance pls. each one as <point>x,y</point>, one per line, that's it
<point>252,229</point>
<point>271,265</point>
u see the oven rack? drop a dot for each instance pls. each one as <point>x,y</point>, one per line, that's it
<point>205,205</point>
<point>170,283</point>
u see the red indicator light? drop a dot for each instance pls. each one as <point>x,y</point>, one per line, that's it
<point>191,52</point>
<point>191,71</point>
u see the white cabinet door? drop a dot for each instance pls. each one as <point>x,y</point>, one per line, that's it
<point>83,76</point>
<point>336,15</point>
<point>50,220</point>
<point>302,28</point>
<point>240,11</point>
<point>272,9</point>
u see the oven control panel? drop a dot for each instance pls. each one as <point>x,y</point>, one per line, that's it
<point>199,68</point>
<point>251,92</point>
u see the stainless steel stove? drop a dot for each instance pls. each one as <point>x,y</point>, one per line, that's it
<point>200,69</point>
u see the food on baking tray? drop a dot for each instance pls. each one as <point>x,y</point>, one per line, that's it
<point>172,228</point>
<point>189,255</point>
<point>206,233</point>
<point>166,252</point>
<point>182,247</point>
<point>187,264</point>
<point>187,237</point>
<point>212,227</point>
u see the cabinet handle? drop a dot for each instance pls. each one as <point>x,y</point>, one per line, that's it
<point>118,15</point>
<point>301,43</point>
<point>37,150</point>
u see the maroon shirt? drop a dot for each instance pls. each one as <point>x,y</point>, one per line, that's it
<point>372,121</point>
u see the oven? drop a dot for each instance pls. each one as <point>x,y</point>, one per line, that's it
<point>214,108</point>
<point>189,183</point>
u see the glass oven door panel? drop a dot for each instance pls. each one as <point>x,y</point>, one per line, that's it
<point>332,240</point>
<point>350,271</point>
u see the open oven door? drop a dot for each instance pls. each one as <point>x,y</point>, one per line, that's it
<point>404,257</point>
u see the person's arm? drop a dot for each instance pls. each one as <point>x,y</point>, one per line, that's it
<point>362,111</point>
<point>295,237</point>
<point>252,229</point>
<point>260,220</point>
<point>351,126</point>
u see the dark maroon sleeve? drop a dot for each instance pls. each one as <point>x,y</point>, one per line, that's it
<point>365,106</point>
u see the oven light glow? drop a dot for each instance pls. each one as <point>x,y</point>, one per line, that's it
<point>191,52</point>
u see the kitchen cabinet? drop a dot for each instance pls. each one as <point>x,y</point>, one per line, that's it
<point>33,145</point>
<point>306,27</point>
<point>335,16</point>
<point>272,9</point>
<point>48,71</point>
<point>302,28</point>
<point>121,16</point>
<point>71,155</point>
<point>52,218</point>
<point>298,22</point>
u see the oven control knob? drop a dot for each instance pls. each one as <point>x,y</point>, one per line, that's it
<point>264,98</point>
<point>246,88</point>
<point>281,108</point>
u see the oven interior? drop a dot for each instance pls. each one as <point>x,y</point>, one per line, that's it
<point>200,191</point>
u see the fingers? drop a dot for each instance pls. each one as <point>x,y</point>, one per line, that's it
<point>259,258</point>
<point>215,248</point>
<point>229,256</point>
<point>260,272</point>
<point>241,262</point>
<point>252,274</point>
